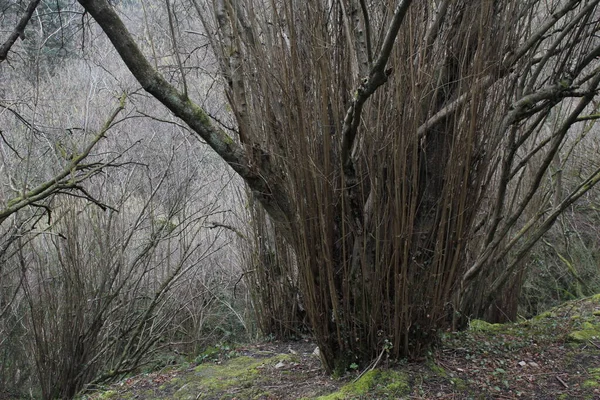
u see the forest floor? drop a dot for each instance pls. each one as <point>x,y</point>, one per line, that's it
<point>553,356</point>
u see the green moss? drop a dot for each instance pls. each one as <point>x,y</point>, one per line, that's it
<point>228,140</point>
<point>482,326</point>
<point>594,380</point>
<point>209,354</point>
<point>378,384</point>
<point>584,335</point>
<point>547,314</point>
<point>200,114</point>
<point>236,370</point>
<point>588,325</point>
<point>212,380</point>
<point>436,369</point>
<point>362,386</point>
<point>459,384</point>
<point>109,394</point>
<point>398,387</point>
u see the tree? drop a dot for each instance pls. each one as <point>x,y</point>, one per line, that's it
<point>397,147</point>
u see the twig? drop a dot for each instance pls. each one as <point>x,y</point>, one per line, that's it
<point>240,279</point>
<point>372,366</point>
<point>561,381</point>
<point>595,344</point>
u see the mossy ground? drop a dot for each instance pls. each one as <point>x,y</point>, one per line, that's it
<point>374,384</point>
<point>555,355</point>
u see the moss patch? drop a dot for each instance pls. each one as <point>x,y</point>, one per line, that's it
<point>594,380</point>
<point>547,314</point>
<point>436,369</point>
<point>236,378</point>
<point>588,331</point>
<point>482,326</point>
<point>109,394</point>
<point>485,361</point>
<point>213,378</point>
<point>376,384</point>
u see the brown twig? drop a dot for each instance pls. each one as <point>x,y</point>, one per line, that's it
<point>594,344</point>
<point>562,382</point>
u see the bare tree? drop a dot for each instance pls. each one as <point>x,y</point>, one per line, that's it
<point>389,142</point>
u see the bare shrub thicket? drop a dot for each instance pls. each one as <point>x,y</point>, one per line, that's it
<point>105,290</point>
<point>398,147</point>
<point>126,255</point>
<point>564,264</point>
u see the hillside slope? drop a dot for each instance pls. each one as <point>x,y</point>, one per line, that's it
<point>553,356</point>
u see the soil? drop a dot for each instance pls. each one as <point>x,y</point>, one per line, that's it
<point>553,356</point>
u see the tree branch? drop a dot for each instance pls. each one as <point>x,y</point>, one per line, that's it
<point>64,179</point>
<point>264,182</point>
<point>511,220</point>
<point>19,30</point>
<point>377,77</point>
<point>582,189</point>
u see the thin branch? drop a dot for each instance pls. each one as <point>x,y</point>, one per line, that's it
<point>175,47</point>
<point>10,146</point>
<point>365,12</point>
<point>538,36</point>
<point>511,220</point>
<point>590,117</point>
<point>377,77</point>
<point>58,182</point>
<point>582,189</point>
<point>214,225</point>
<point>19,30</point>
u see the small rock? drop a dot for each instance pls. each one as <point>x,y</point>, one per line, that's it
<point>534,364</point>
<point>522,363</point>
<point>279,365</point>
<point>316,352</point>
<point>292,351</point>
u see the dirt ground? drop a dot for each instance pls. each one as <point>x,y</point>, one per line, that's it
<point>553,356</point>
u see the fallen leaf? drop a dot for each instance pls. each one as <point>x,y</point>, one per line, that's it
<point>279,365</point>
